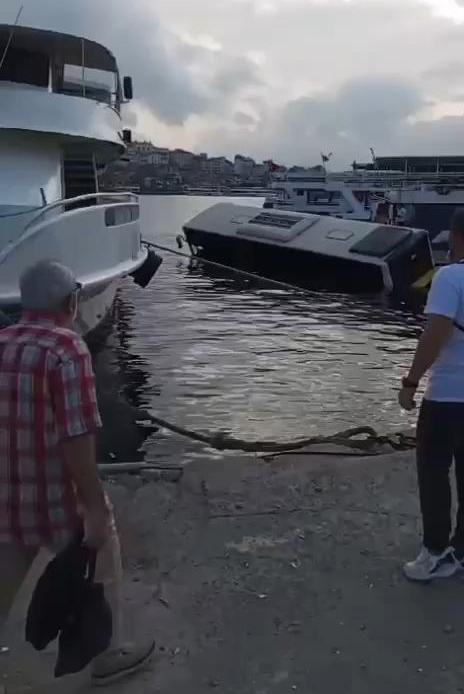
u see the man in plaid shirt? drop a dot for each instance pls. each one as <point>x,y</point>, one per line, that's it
<point>49,481</point>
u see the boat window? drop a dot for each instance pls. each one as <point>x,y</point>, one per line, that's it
<point>322,197</point>
<point>24,67</point>
<point>381,241</point>
<point>306,179</point>
<point>122,214</point>
<point>99,85</point>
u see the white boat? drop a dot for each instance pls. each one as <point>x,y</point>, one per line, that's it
<point>60,121</point>
<point>427,191</point>
<point>313,250</point>
<point>433,205</point>
<point>316,191</point>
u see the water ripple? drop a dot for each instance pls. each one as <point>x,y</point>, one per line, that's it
<point>212,352</point>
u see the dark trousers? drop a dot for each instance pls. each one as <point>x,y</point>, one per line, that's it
<point>440,438</point>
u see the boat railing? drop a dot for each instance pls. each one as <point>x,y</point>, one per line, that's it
<point>80,201</point>
<point>105,202</point>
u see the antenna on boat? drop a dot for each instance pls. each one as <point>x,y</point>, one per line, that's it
<point>374,158</point>
<point>326,158</point>
<point>15,24</point>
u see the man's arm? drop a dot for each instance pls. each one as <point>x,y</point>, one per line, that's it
<point>436,334</point>
<point>442,307</point>
<point>79,457</point>
<point>74,399</point>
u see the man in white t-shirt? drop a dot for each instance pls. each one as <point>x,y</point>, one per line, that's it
<point>440,428</point>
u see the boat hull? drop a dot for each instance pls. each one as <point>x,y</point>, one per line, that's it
<point>95,306</point>
<point>101,244</point>
<point>96,301</point>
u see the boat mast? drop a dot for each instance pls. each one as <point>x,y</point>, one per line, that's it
<point>10,38</point>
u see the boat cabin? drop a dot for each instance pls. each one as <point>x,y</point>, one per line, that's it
<point>61,64</point>
<point>60,119</point>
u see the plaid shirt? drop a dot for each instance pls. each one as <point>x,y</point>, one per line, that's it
<point>47,394</point>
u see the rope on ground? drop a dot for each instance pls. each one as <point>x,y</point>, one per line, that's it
<point>349,438</point>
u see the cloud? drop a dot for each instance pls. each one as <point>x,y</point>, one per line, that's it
<point>167,69</point>
<point>449,71</point>
<point>363,112</point>
<point>144,48</point>
<point>234,75</point>
<point>281,78</point>
<point>244,119</point>
<point>452,9</point>
<point>384,113</point>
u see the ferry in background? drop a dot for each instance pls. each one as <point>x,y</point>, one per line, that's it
<point>60,121</point>
<point>229,192</point>
<point>419,191</point>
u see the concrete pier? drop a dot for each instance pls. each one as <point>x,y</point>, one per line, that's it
<point>272,577</point>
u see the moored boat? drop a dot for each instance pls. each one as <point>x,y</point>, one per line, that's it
<point>60,122</point>
<point>420,191</point>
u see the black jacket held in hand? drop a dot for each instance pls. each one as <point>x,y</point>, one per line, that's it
<point>67,602</point>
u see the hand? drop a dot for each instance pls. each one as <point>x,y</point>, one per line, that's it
<point>97,524</point>
<point>406,399</point>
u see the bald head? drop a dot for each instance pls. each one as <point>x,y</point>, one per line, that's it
<point>46,286</point>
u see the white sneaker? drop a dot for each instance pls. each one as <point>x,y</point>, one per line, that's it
<point>428,566</point>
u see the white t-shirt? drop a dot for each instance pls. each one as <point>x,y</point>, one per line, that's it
<point>446,298</point>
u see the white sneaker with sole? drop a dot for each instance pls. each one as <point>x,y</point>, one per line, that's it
<point>428,566</point>
<point>114,665</point>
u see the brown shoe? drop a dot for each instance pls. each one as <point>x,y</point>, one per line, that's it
<point>114,665</point>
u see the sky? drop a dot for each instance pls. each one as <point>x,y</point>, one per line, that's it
<point>281,79</point>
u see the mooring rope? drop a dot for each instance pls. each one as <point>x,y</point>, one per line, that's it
<point>228,268</point>
<point>221,441</point>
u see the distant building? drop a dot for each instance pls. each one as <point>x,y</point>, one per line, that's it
<point>243,166</point>
<point>259,171</point>
<point>158,168</point>
<point>146,153</point>
<point>181,159</point>
<point>198,161</point>
<point>159,157</point>
<point>218,166</point>
<point>139,148</point>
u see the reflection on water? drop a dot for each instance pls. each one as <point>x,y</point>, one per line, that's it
<point>214,352</point>
<point>121,377</point>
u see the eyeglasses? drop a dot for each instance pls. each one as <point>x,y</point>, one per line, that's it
<point>77,292</point>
